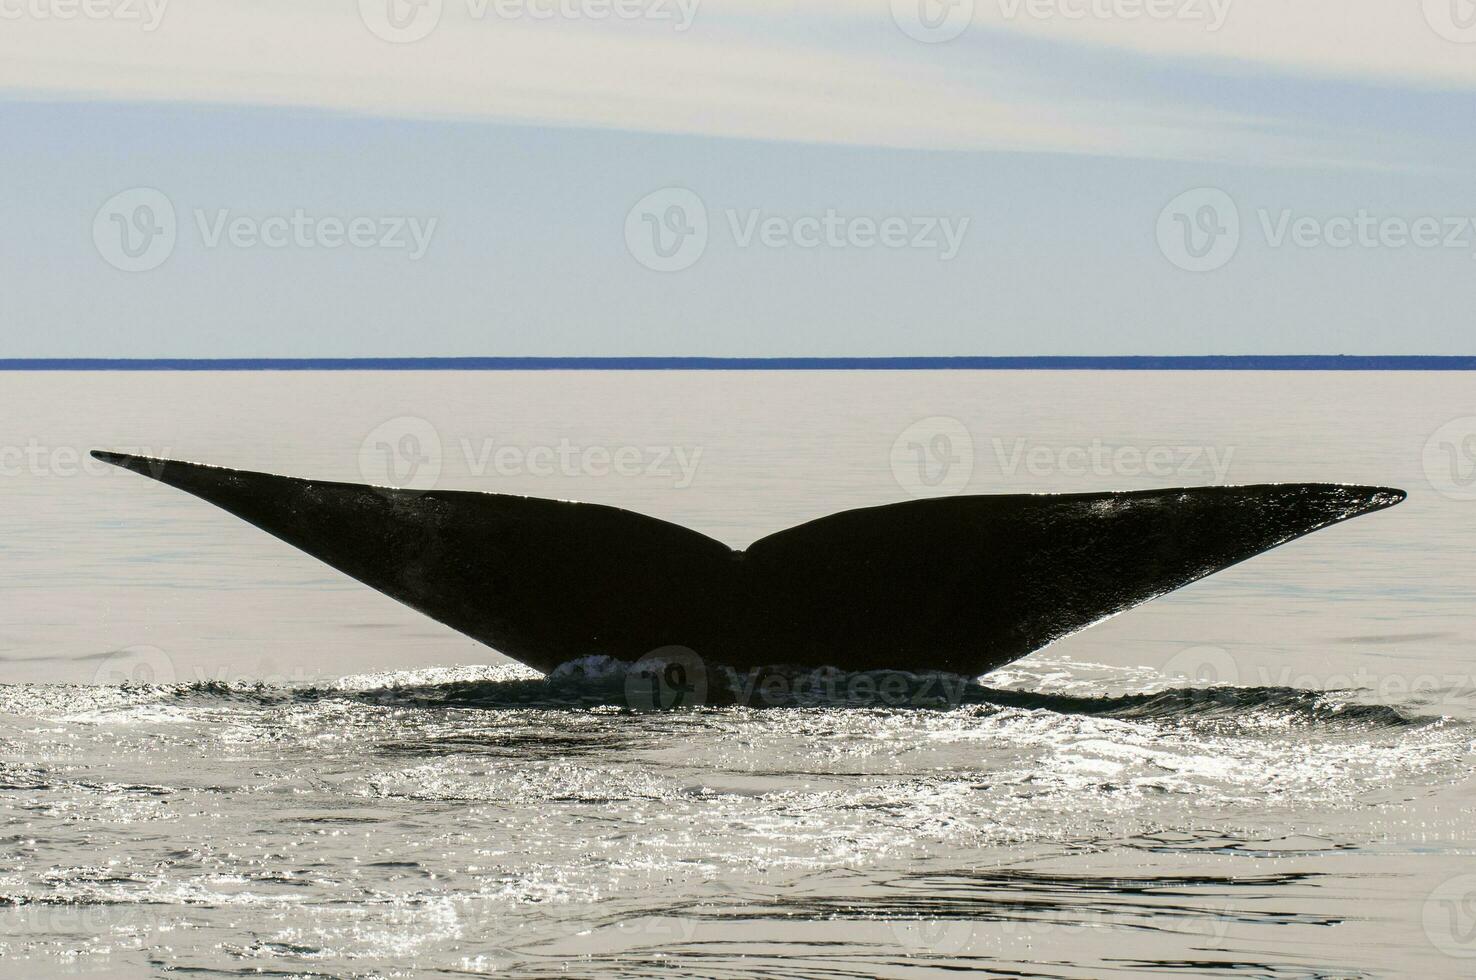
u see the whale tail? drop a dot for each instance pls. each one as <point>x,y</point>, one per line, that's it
<point>960,584</point>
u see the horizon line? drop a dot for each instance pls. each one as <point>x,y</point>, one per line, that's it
<point>1130,362</point>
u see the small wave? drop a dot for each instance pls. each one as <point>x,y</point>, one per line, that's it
<point>604,683</point>
<point>1286,703</point>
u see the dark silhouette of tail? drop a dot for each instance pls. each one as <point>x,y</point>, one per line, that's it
<point>961,584</point>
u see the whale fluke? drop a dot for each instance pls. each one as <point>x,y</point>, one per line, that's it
<point>960,584</point>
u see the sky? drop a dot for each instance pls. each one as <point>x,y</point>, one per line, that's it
<point>736,177</point>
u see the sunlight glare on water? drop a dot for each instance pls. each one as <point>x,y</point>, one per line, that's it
<point>1265,774</point>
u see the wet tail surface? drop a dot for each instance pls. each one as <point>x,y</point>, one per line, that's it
<point>960,584</point>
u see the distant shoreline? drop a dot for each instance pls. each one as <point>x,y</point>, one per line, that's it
<point>1233,362</point>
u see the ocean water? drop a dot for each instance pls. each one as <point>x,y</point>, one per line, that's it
<point>220,758</point>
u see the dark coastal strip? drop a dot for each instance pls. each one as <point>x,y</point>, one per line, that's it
<point>1232,362</point>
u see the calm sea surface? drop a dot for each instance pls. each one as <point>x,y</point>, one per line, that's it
<point>219,757</point>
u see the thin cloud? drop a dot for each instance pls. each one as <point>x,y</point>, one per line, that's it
<point>840,72</point>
